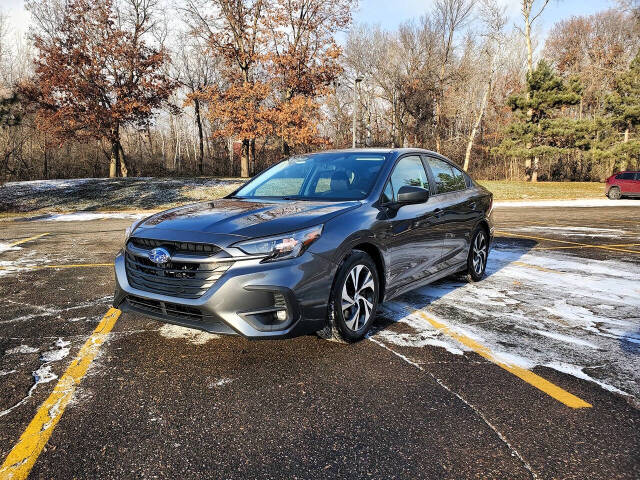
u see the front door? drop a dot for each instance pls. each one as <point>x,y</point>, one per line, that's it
<point>415,246</point>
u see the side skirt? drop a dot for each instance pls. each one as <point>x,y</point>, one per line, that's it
<point>425,281</point>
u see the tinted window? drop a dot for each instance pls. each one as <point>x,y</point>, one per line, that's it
<point>459,178</point>
<point>448,179</point>
<point>626,176</point>
<point>329,176</point>
<point>409,171</point>
<point>638,176</point>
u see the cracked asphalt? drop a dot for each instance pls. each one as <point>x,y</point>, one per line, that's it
<point>561,300</point>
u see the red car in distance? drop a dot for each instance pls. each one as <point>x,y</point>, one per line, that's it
<point>623,184</point>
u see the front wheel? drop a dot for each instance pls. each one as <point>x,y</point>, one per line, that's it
<point>478,253</point>
<point>615,193</point>
<point>354,299</point>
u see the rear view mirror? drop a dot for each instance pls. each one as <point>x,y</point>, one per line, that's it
<point>409,194</point>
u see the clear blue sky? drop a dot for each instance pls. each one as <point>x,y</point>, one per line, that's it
<point>389,13</point>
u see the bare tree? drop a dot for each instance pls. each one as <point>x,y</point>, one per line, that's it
<point>451,16</point>
<point>494,18</point>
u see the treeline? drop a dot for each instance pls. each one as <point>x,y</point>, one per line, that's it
<point>227,87</point>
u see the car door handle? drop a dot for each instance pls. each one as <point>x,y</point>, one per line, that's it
<point>438,212</point>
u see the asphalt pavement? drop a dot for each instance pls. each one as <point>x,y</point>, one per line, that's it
<point>532,373</point>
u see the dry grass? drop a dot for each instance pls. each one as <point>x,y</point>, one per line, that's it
<point>506,190</point>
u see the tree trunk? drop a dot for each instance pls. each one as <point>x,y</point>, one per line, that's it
<point>196,107</point>
<point>252,165</point>
<point>45,168</point>
<point>626,135</point>
<point>113,164</point>
<point>124,171</point>
<point>244,161</point>
<point>534,169</point>
<point>474,130</point>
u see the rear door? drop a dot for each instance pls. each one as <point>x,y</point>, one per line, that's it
<point>458,210</point>
<point>415,246</point>
<point>636,184</point>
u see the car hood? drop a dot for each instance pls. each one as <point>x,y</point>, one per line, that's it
<point>245,218</point>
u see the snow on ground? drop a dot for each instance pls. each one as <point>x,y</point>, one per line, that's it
<point>575,231</point>
<point>43,374</point>
<point>604,202</point>
<point>88,216</point>
<point>5,247</point>
<point>196,337</point>
<point>576,315</point>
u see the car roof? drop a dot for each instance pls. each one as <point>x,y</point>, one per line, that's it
<point>377,150</point>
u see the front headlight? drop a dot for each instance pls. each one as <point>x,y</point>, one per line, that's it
<point>129,230</point>
<point>289,245</point>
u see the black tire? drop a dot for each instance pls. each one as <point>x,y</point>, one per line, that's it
<point>477,260</point>
<point>615,193</point>
<point>345,330</point>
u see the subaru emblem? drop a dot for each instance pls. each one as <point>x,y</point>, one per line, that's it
<point>159,256</point>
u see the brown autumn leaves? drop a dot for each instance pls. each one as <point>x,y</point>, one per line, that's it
<point>97,74</point>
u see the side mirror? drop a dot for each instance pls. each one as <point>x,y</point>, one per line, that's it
<point>409,194</point>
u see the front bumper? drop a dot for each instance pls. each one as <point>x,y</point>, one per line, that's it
<point>243,300</point>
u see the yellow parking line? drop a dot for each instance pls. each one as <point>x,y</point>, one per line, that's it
<point>587,246</point>
<point>535,267</point>
<point>24,454</point>
<point>528,376</point>
<point>25,240</point>
<point>531,237</point>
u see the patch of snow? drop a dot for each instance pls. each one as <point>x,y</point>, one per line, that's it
<point>44,374</point>
<point>43,185</point>
<point>592,202</point>
<point>5,247</point>
<point>89,216</point>
<point>577,372</point>
<point>60,351</point>
<point>6,372</point>
<point>220,382</point>
<point>20,349</point>
<point>565,338</point>
<point>196,337</point>
<point>576,231</point>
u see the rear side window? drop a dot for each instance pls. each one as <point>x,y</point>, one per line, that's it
<point>626,176</point>
<point>448,178</point>
<point>409,171</point>
<point>637,175</point>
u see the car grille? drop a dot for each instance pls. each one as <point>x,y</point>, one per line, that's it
<point>175,279</point>
<point>182,248</point>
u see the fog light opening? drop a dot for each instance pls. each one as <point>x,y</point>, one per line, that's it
<point>281,315</point>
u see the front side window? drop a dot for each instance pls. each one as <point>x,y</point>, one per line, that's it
<point>448,178</point>
<point>320,176</point>
<point>408,171</point>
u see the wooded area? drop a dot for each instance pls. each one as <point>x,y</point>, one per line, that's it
<point>228,87</point>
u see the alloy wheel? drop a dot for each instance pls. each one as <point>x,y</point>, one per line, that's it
<point>479,253</point>
<point>358,293</point>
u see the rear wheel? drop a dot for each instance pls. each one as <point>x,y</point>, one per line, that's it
<point>478,253</point>
<point>354,299</point>
<point>615,193</point>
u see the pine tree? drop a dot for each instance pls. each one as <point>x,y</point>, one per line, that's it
<point>539,130</point>
<point>623,104</point>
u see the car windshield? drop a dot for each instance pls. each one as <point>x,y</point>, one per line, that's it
<point>326,176</point>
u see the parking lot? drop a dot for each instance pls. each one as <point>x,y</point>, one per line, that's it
<point>532,373</point>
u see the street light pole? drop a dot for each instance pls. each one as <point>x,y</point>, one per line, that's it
<point>356,102</point>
